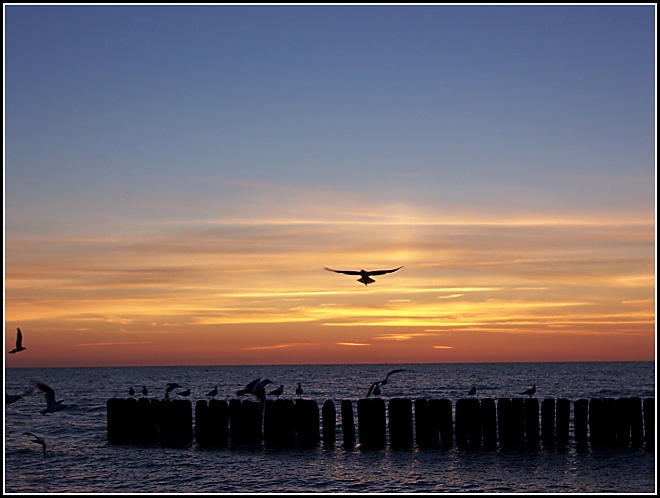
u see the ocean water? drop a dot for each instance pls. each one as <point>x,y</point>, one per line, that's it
<point>79,459</point>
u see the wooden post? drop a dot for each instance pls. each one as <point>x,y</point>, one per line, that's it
<point>609,420</point>
<point>518,421</point>
<point>329,422</point>
<point>636,422</point>
<point>371,422</point>
<point>468,422</point>
<point>548,421</point>
<point>489,422</point>
<point>649,423</point>
<point>532,421</point>
<point>441,410</point>
<point>563,416</point>
<point>596,421</point>
<point>176,420</point>
<point>426,430</point>
<point>236,430</point>
<point>202,422</point>
<point>307,422</point>
<point>347,423</point>
<point>219,421</point>
<point>250,414</point>
<point>401,423</point>
<point>622,421</point>
<point>504,428</point>
<point>581,420</point>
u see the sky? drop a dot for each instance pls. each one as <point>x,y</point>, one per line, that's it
<point>176,179</point>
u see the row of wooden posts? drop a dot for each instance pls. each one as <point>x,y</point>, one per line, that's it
<point>511,422</point>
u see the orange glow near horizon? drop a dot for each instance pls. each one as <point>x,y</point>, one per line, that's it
<point>258,293</point>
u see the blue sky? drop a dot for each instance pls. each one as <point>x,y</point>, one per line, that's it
<point>195,123</point>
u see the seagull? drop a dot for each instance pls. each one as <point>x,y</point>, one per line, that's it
<point>13,398</point>
<point>51,405</point>
<point>19,342</point>
<point>144,391</point>
<point>374,389</point>
<point>184,393</point>
<point>365,276</point>
<point>277,392</point>
<point>170,387</point>
<point>258,389</point>
<point>384,381</point>
<point>213,391</point>
<point>299,390</point>
<point>472,391</point>
<point>131,391</point>
<point>38,440</point>
<point>530,391</point>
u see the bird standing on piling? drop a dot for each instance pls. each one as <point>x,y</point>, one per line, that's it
<point>530,392</point>
<point>472,391</point>
<point>144,391</point>
<point>19,342</point>
<point>277,392</point>
<point>299,390</point>
<point>213,392</point>
<point>184,393</point>
<point>131,391</point>
<point>170,387</point>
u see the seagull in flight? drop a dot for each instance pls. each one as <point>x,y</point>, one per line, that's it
<point>51,405</point>
<point>530,392</point>
<point>375,387</point>
<point>365,276</point>
<point>258,389</point>
<point>19,342</point>
<point>38,440</point>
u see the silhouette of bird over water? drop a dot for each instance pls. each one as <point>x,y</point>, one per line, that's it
<point>19,342</point>
<point>277,392</point>
<point>184,393</point>
<point>213,392</point>
<point>375,387</point>
<point>131,391</point>
<point>38,440</point>
<point>51,405</point>
<point>144,391</point>
<point>530,392</point>
<point>472,391</point>
<point>365,276</point>
<point>258,389</point>
<point>13,398</point>
<point>299,390</point>
<point>170,387</point>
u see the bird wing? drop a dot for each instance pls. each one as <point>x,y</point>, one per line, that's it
<point>19,339</point>
<point>250,388</point>
<point>372,388</point>
<point>346,272</point>
<point>383,272</point>
<point>395,371</point>
<point>49,394</point>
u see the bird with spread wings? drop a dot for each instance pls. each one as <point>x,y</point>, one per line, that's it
<point>365,276</point>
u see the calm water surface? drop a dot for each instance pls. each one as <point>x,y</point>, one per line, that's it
<point>79,459</point>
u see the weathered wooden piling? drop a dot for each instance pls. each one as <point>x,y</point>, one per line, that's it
<point>235,421</point>
<point>489,422</point>
<point>400,423</point>
<point>622,421</point>
<point>307,422</point>
<point>504,423</point>
<point>372,427</point>
<point>518,421</point>
<point>347,422</point>
<point>245,422</point>
<point>649,422</point>
<point>329,417</point>
<point>279,423</point>
<point>609,421</point>
<point>441,410</point>
<point>176,421</point>
<point>581,420</point>
<point>146,421</point>
<point>120,414</point>
<point>548,421</point>
<point>562,420</point>
<point>468,422</point>
<point>531,421</point>
<point>202,422</point>
<point>219,420</point>
<point>636,422</point>
<point>427,433</point>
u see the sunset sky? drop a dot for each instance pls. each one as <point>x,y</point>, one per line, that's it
<point>177,178</point>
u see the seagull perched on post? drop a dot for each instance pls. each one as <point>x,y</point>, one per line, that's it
<point>213,391</point>
<point>38,440</point>
<point>19,342</point>
<point>51,405</point>
<point>144,391</point>
<point>184,393</point>
<point>299,390</point>
<point>277,392</point>
<point>472,391</point>
<point>365,276</point>
<point>530,392</point>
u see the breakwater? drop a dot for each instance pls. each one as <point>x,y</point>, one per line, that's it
<point>403,423</point>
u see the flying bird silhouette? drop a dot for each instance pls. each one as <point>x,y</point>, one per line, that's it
<point>365,276</point>
<point>530,392</point>
<point>38,440</point>
<point>49,394</point>
<point>213,391</point>
<point>19,342</point>
<point>258,389</point>
<point>375,387</point>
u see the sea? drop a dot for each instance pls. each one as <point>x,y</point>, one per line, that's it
<point>79,459</point>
